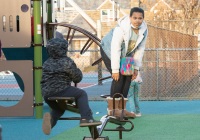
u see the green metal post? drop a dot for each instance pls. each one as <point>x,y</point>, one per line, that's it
<point>49,20</point>
<point>37,57</point>
<point>49,12</point>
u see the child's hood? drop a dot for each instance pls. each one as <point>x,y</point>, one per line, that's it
<point>57,47</point>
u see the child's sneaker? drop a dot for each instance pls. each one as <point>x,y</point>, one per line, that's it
<point>138,114</point>
<point>91,122</point>
<point>46,125</point>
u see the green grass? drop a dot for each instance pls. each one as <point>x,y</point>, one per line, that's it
<point>148,127</point>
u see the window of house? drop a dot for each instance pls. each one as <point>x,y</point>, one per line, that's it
<point>108,15</point>
<point>105,15</point>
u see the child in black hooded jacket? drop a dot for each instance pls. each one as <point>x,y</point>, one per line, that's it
<point>58,72</point>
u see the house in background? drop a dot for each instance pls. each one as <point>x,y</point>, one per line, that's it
<point>106,11</point>
<point>91,16</point>
<point>87,14</point>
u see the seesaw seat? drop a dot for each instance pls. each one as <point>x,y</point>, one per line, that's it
<point>118,120</point>
<point>68,103</point>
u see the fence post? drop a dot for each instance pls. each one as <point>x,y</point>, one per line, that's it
<point>0,132</point>
<point>100,64</point>
<point>157,74</point>
<point>100,73</point>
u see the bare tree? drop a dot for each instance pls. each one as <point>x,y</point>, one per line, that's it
<point>183,15</point>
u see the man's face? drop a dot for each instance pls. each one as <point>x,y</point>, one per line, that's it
<point>136,19</point>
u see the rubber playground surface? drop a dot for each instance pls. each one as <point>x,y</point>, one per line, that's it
<point>161,120</point>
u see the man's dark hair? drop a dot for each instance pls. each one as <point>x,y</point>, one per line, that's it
<point>136,9</point>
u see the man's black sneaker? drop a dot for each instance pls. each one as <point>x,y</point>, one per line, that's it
<point>90,122</point>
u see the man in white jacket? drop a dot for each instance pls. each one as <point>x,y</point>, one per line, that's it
<point>128,38</point>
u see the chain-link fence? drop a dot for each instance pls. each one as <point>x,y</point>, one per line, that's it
<point>170,69</point>
<point>9,83</point>
<point>170,74</point>
<point>173,79</point>
<point>187,26</point>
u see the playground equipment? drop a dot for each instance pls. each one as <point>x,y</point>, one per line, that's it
<point>15,19</point>
<point>21,46</point>
<point>121,121</point>
<point>68,103</point>
<point>24,107</point>
<point>15,24</point>
<point>26,53</point>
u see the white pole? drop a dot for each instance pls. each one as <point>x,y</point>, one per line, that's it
<point>58,4</point>
<point>113,9</point>
<point>99,29</point>
<point>62,5</point>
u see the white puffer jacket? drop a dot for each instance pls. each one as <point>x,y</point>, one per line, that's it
<point>123,33</point>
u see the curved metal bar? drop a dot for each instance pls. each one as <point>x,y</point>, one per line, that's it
<point>105,78</point>
<point>116,121</point>
<point>68,34</point>
<point>83,49</point>
<point>87,47</point>
<point>83,31</point>
<point>69,25</point>
<point>70,41</point>
<point>97,61</point>
<point>124,129</point>
<point>120,128</point>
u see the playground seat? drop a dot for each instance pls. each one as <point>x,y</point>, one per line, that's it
<point>121,121</point>
<point>117,121</point>
<point>68,103</point>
